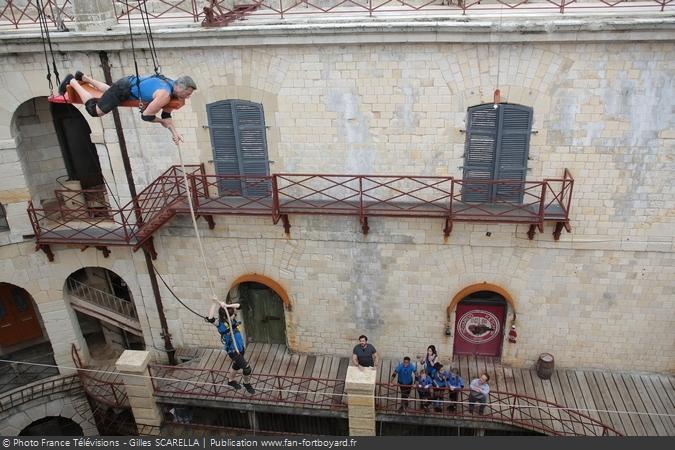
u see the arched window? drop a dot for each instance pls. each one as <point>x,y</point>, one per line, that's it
<point>239,144</point>
<point>497,146</point>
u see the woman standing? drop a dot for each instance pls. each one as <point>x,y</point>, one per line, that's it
<point>429,361</point>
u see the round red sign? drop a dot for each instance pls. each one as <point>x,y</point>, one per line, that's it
<point>478,326</point>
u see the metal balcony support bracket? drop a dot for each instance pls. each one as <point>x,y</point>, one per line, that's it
<point>210,221</point>
<point>104,250</point>
<point>448,227</point>
<point>559,227</point>
<point>47,249</point>
<point>149,246</point>
<point>364,224</point>
<point>532,231</point>
<point>287,223</point>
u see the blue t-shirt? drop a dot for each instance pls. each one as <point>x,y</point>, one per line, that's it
<point>226,336</point>
<point>455,381</point>
<point>440,379</point>
<point>150,85</point>
<point>406,375</point>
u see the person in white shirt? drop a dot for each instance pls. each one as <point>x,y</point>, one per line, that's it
<point>479,393</point>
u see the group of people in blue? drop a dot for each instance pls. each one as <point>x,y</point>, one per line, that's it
<point>433,380</point>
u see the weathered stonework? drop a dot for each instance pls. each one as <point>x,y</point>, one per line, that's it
<point>371,102</point>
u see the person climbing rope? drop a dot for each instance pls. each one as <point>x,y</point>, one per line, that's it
<point>154,92</point>
<point>233,343</point>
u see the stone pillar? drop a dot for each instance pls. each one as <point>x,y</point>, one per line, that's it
<point>133,366</point>
<point>360,388</point>
<point>94,15</point>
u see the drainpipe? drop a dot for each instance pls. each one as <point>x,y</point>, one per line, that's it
<point>168,346</point>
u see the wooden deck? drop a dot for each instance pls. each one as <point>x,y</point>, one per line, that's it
<point>635,404</point>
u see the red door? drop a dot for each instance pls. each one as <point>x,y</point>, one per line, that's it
<point>18,321</point>
<point>479,329</point>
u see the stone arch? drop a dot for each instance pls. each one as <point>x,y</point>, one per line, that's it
<point>110,327</point>
<point>477,287</point>
<point>270,283</point>
<point>73,407</point>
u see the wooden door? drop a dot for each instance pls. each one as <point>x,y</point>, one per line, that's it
<point>18,320</point>
<point>263,314</point>
<point>479,328</point>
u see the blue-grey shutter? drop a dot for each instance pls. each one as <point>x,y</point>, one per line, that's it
<point>515,125</point>
<point>250,120</point>
<point>239,143</point>
<point>479,152</point>
<point>224,143</point>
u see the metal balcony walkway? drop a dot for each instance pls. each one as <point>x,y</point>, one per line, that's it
<point>104,306</point>
<point>279,196</point>
<point>573,402</point>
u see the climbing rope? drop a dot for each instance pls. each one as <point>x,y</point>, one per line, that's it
<point>214,297</point>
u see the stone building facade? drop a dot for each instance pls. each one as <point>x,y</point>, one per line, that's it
<point>385,97</point>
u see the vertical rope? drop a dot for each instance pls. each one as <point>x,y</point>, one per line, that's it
<point>214,297</point>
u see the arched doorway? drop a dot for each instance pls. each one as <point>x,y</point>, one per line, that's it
<point>53,426</point>
<point>479,324</point>
<point>263,313</point>
<point>105,312</point>
<point>55,150</point>
<point>18,319</point>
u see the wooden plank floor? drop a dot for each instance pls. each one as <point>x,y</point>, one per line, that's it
<point>634,404</point>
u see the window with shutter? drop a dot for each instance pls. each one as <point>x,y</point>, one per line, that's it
<point>497,145</point>
<point>239,144</point>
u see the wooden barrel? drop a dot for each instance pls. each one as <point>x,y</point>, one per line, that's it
<point>545,366</point>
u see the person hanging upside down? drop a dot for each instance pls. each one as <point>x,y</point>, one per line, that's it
<point>234,349</point>
<point>155,94</point>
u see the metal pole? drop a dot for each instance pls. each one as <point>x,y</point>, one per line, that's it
<point>168,346</point>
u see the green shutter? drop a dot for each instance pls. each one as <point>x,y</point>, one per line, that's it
<point>239,143</point>
<point>496,148</point>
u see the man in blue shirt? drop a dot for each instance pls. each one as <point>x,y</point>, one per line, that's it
<point>424,385</point>
<point>440,381</point>
<point>155,94</point>
<point>405,372</point>
<point>454,384</point>
<point>234,348</point>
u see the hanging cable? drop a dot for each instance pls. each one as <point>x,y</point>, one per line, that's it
<point>145,18</point>
<point>133,54</point>
<point>46,40</point>
<point>174,294</point>
<point>214,297</point>
<point>44,45</point>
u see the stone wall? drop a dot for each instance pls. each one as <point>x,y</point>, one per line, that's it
<point>394,101</point>
<point>70,405</point>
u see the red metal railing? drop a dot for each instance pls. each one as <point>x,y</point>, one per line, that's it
<point>278,195</point>
<point>54,385</point>
<point>191,10</point>
<point>111,392</point>
<point>24,13</point>
<point>176,381</point>
<point>504,407</point>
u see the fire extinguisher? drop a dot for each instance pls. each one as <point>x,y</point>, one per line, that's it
<point>513,335</point>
